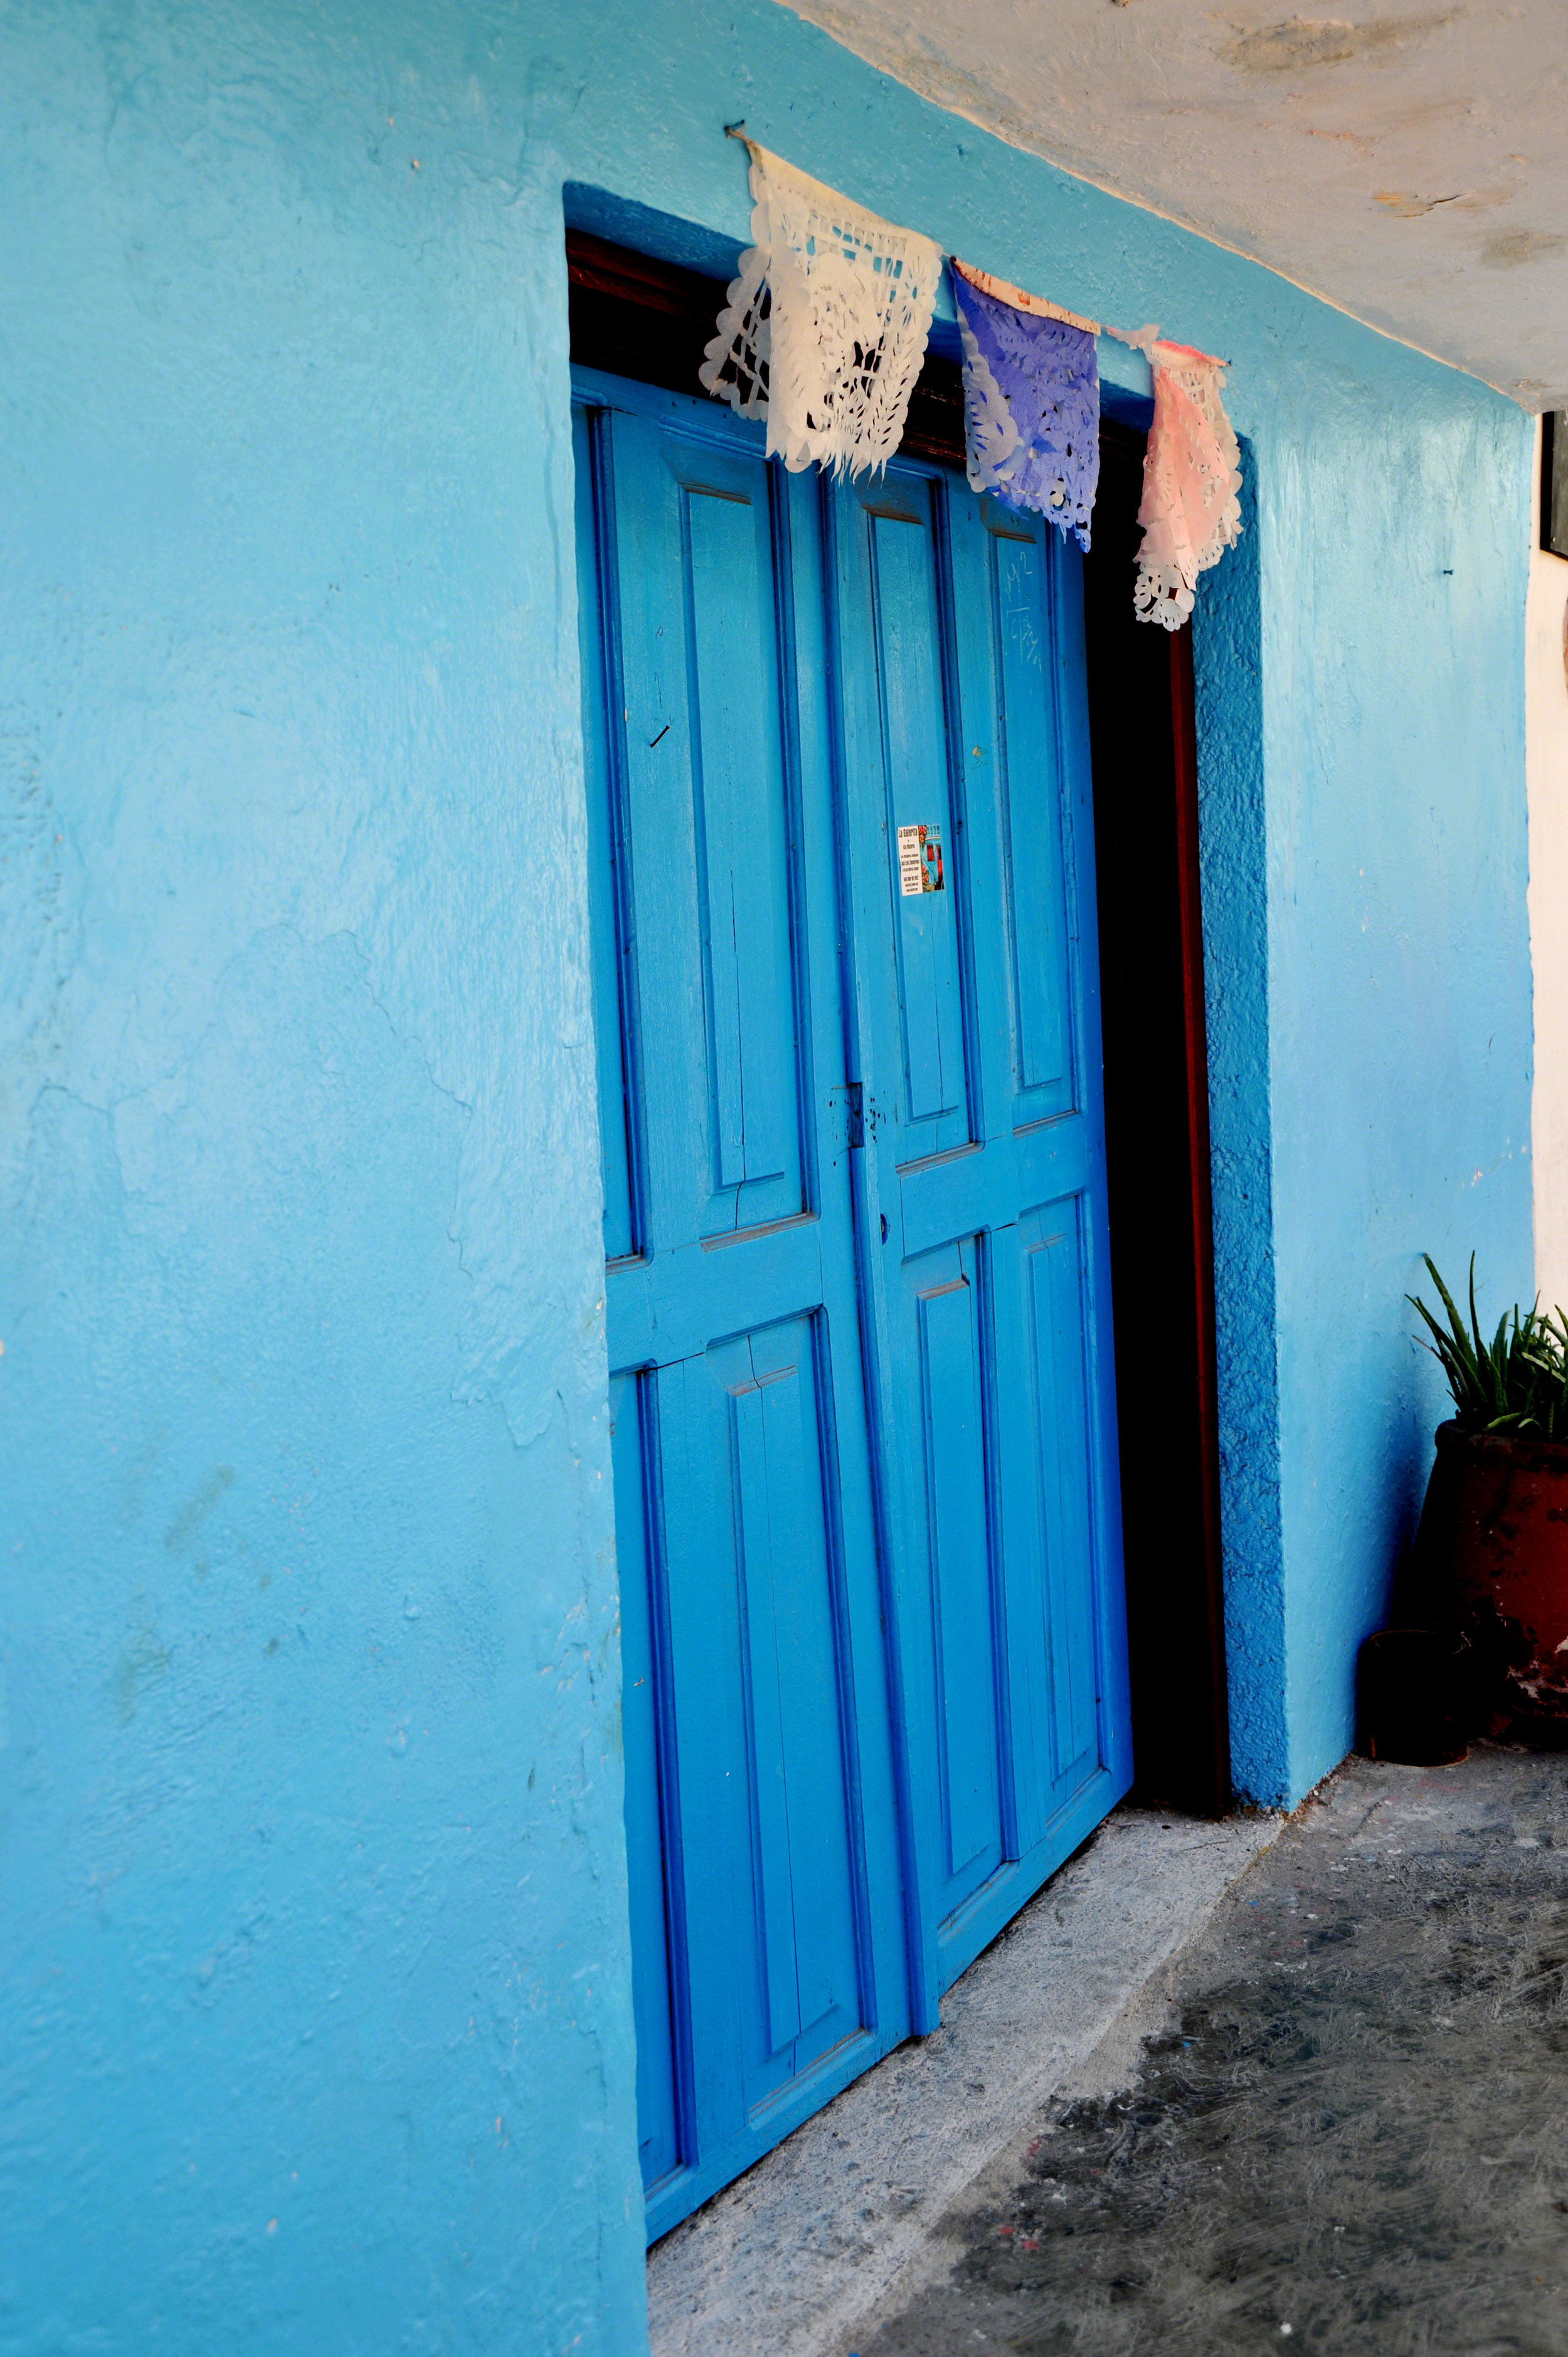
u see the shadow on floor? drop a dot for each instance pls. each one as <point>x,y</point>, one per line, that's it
<point>786,2260</point>
<point>1350,2134</point>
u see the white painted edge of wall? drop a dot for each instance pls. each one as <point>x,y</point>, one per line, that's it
<point>1546,780</point>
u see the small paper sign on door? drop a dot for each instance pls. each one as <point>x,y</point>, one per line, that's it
<point>919,860</point>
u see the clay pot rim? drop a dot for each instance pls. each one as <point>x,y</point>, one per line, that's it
<point>1548,1455</point>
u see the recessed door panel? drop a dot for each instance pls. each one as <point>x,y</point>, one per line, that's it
<point>1041,1284</point>
<point>742,844</point>
<point>768,1714</point>
<point>1029,791</point>
<point>651,1873</point>
<point>713,1063</point>
<point>1066,1472</point>
<point>613,1011</point>
<point>955,1452</point>
<point>896,697</point>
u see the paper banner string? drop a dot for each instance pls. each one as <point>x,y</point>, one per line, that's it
<point>1192,473</point>
<point>823,335</point>
<point>823,332</point>
<point>1142,339</point>
<point>1190,513</point>
<point>1031,395</point>
<point>1001,290</point>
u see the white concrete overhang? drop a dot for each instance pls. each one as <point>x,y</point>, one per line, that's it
<point>1410,164</point>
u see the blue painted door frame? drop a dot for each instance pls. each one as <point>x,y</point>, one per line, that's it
<point>873,1648</point>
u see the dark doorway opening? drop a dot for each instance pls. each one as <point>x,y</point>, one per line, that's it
<point>650,320</point>
<point>1156,1142</point>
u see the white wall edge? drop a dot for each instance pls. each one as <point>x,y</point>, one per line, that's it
<point>1546,773</point>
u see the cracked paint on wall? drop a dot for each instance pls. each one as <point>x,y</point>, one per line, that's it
<point>1394,163</point>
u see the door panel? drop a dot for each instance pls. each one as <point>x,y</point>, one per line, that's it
<point>648,1779</point>
<point>753,1105</point>
<point>1054,1376</point>
<point>996,1341</point>
<point>1029,794</point>
<point>953,1452</point>
<point>614,980</point>
<point>706,831</point>
<point>896,701</point>
<point>762,1825</point>
<point>1049,1538</point>
<point>758,1652</point>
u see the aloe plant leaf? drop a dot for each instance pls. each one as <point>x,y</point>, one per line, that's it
<point>1456,1321</point>
<point>1515,1383</point>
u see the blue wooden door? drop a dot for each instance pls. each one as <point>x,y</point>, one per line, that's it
<point>764,1835</point>
<point>967,796</point>
<point>872,1645</point>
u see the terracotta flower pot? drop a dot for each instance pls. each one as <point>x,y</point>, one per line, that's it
<point>1491,1556</point>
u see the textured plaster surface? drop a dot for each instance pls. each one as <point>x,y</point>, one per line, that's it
<point>1400,1033</point>
<point>315,2019</point>
<point>1232,819</point>
<point>1406,161</point>
<point>780,2263</point>
<point>314,1907</point>
<point>1546,687</point>
<point>1345,2130</point>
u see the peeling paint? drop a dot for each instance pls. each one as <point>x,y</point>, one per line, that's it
<point>1510,248</point>
<point>1300,41</point>
<point>1273,138</point>
<point>1409,208</point>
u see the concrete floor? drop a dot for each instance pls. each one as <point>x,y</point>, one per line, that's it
<point>1346,2127</point>
<point>848,2212</point>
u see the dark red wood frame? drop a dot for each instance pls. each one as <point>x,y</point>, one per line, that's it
<point>1194,1031</point>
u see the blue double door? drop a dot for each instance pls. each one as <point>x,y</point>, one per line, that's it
<point>873,1632</point>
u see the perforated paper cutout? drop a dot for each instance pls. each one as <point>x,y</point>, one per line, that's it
<point>825,327</point>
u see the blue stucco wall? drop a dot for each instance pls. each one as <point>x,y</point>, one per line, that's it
<point>315,2031</point>
<point>315,2024</point>
<point>1400,1015</point>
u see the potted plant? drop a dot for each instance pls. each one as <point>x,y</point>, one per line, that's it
<point>1491,1553</point>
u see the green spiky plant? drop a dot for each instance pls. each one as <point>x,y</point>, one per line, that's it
<point>1515,1384</point>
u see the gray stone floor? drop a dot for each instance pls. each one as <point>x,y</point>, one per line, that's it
<point>1343,2124</point>
<point>787,2261</point>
